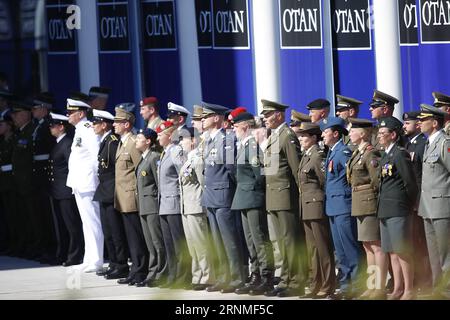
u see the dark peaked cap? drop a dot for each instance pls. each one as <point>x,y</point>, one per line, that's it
<point>346,102</point>
<point>391,123</point>
<point>412,115</point>
<point>360,123</point>
<point>318,104</point>
<point>440,99</point>
<point>380,98</point>
<point>269,106</point>
<point>210,108</point>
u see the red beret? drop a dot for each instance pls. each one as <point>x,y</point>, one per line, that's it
<point>164,126</point>
<point>236,112</point>
<point>149,101</point>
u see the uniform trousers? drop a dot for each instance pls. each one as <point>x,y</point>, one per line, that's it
<point>114,234</point>
<point>198,241</point>
<point>136,246</point>
<point>70,230</point>
<point>292,249</point>
<point>228,245</point>
<point>347,250</point>
<point>278,261</point>
<point>254,224</point>
<point>92,228</point>
<point>321,253</point>
<point>157,263</point>
<point>437,232</point>
<point>178,262</point>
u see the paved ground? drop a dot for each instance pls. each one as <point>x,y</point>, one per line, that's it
<point>28,280</point>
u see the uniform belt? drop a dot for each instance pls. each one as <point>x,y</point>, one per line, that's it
<point>6,168</point>
<point>363,187</point>
<point>41,157</point>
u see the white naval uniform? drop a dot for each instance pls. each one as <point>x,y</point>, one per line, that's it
<point>83,180</point>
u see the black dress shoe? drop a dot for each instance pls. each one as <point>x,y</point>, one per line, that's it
<point>103,272</point>
<point>261,289</point>
<point>274,292</point>
<point>126,281</point>
<point>289,292</point>
<point>215,287</point>
<point>228,289</point>
<point>141,284</point>
<point>199,287</point>
<point>116,274</point>
<point>310,295</point>
<point>71,263</point>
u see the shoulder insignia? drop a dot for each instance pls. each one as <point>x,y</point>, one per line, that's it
<point>347,152</point>
<point>114,138</point>
<point>374,163</point>
<point>369,147</point>
<point>87,125</point>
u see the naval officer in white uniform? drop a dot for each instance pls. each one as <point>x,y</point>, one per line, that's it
<point>83,180</point>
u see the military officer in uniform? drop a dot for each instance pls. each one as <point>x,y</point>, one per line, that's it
<point>111,219</point>
<point>127,160</point>
<point>442,101</point>
<point>311,176</point>
<point>177,115</point>
<point>169,167</point>
<point>7,193</point>
<point>249,199</point>
<point>83,179</point>
<point>98,97</point>
<point>220,185</point>
<point>297,118</point>
<point>281,161</point>
<point>415,145</point>
<point>30,242</point>
<point>363,175</point>
<point>43,143</point>
<point>338,206</point>
<point>434,205</point>
<point>69,230</point>
<point>193,215</point>
<point>150,112</point>
<point>381,106</point>
<point>397,196</point>
<point>346,108</point>
<point>318,109</point>
<point>147,192</point>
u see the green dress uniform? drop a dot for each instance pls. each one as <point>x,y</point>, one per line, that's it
<point>282,158</point>
<point>311,176</point>
<point>249,199</point>
<point>363,174</point>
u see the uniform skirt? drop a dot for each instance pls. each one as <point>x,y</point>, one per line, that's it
<point>396,234</point>
<point>368,228</point>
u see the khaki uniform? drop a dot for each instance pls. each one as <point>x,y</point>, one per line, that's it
<point>127,159</point>
<point>363,173</point>
<point>311,176</point>
<point>282,158</point>
<point>154,123</point>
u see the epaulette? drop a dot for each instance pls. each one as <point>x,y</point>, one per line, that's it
<point>87,125</point>
<point>369,147</point>
<point>347,152</point>
<point>114,138</point>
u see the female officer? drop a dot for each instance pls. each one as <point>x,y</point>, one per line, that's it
<point>311,176</point>
<point>363,174</point>
<point>398,193</point>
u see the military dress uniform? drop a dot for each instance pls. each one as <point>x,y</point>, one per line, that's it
<point>195,221</point>
<point>83,179</point>
<point>7,193</point>
<point>217,197</point>
<point>338,207</point>
<point>346,103</point>
<point>127,159</point>
<point>422,269</point>
<point>281,161</point>
<point>68,225</point>
<point>147,192</point>
<point>311,176</point>
<point>397,195</point>
<point>30,242</point>
<point>178,262</point>
<point>249,199</point>
<point>111,220</point>
<point>434,205</point>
